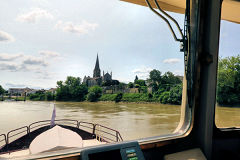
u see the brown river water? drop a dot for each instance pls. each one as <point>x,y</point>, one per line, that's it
<point>132,120</point>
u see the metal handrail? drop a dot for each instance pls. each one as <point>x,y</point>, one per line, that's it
<point>170,17</point>
<point>78,124</point>
<point>48,122</point>
<point>16,133</point>
<point>5,139</point>
<point>117,133</point>
<point>165,19</point>
<point>93,126</point>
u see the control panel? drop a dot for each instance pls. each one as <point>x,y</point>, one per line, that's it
<point>120,151</point>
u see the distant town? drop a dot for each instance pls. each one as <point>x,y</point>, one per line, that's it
<point>166,88</point>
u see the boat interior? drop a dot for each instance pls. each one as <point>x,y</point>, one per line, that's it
<point>196,136</point>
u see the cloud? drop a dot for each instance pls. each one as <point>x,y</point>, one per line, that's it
<point>11,85</point>
<point>12,67</point>
<point>34,15</point>
<point>49,53</point>
<point>171,60</point>
<point>142,72</point>
<point>82,28</point>
<point>9,57</point>
<point>44,74</point>
<point>35,61</point>
<point>5,37</point>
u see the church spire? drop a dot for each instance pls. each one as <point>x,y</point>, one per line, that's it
<point>97,71</point>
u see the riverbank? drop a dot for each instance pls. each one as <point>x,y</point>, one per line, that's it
<point>119,97</point>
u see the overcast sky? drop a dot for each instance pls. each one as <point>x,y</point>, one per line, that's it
<point>43,41</point>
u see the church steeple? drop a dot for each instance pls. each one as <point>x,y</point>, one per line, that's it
<point>97,71</point>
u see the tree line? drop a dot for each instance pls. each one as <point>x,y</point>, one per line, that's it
<point>165,88</point>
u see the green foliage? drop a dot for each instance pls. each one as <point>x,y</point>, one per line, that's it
<point>142,89</point>
<point>71,89</point>
<point>137,97</point>
<point>175,96</point>
<point>136,78</point>
<point>228,84</point>
<point>49,96</point>
<point>92,97</point>
<point>122,85</point>
<point>94,94</point>
<point>110,83</point>
<point>1,90</point>
<point>118,97</point>
<point>137,86</point>
<point>108,97</point>
<point>130,85</point>
<point>38,96</point>
<point>155,76</point>
<point>165,97</point>
<point>150,95</point>
<point>140,82</point>
<point>170,78</point>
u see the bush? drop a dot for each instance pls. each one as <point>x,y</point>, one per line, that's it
<point>92,97</point>
<point>49,96</point>
<point>150,95</point>
<point>118,97</point>
<point>94,94</point>
<point>38,96</point>
<point>130,85</point>
<point>164,97</point>
<point>175,96</point>
<point>108,97</point>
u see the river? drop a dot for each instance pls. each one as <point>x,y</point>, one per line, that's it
<point>132,120</point>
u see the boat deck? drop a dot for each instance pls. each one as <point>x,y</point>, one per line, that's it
<point>25,152</point>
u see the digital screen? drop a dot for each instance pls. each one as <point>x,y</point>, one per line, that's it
<point>106,155</point>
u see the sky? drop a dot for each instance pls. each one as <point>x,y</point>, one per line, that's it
<point>43,41</point>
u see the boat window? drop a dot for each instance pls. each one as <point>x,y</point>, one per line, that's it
<point>111,68</point>
<point>228,84</point>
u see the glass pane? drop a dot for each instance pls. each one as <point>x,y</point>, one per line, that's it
<point>228,87</point>
<point>105,62</point>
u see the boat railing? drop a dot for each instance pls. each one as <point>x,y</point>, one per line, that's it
<point>3,140</point>
<point>107,134</point>
<point>17,133</point>
<point>69,122</point>
<point>87,126</point>
<point>38,124</point>
<point>104,133</point>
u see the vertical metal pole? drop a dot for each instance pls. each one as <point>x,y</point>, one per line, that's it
<point>94,128</point>
<point>25,94</point>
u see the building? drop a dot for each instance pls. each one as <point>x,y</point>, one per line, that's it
<point>97,79</point>
<point>19,91</point>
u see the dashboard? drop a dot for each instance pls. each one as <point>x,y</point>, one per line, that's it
<point>122,151</point>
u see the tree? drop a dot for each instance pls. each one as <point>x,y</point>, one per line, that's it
<point>130,85</point>
<point>122,85</point>
<point>140,82</point>
<point>118,97</point>
<point>155,76</point>
<point>49,96</point>
<point>1,90</point>
<point>170,78</point>
<point>71,89</point>
<point>175,95</point>
<point>136,78</point>
<point>94,94</point>
<point>228,84</point>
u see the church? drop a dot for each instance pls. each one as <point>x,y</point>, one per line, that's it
<point>97,79</point>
